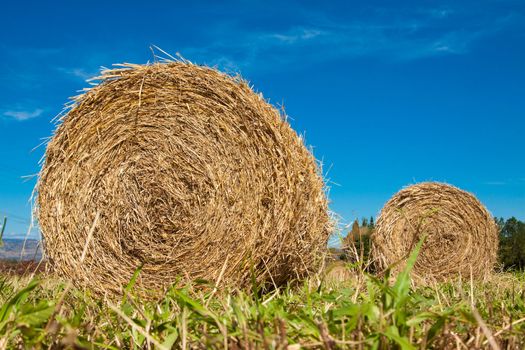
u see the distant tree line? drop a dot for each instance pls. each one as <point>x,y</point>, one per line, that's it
<point>356,244</point>
<point>511,253</point>
<point>511,243</point>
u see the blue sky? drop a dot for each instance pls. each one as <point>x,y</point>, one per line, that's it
<point>387,93</point>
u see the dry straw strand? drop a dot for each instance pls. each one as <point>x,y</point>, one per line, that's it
<point>461,235</point>
<point>186,166</point>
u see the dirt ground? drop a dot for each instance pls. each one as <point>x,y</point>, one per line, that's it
<point>19,268</point>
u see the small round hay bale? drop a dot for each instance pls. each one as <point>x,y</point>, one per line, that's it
<point>185,171</point>
<point>461,235</point>
<point>337,273</point>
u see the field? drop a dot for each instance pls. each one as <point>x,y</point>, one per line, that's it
<point>347,308</point>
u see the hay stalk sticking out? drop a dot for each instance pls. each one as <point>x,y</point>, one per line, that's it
<point>193,174</point>
<point>461,235</point>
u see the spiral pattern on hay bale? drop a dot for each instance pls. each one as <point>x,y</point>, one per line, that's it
<point>461,235</point>
<point>184,171</point>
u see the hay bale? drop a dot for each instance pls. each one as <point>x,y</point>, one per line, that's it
<point>337,273</point>
<point>190,173</point>
<point>461,234</point>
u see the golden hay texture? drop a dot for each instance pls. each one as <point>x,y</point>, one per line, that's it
<point>186,171</point>
<point>462,236</point>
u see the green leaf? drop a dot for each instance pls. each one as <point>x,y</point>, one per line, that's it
<point>436,327</point>
<point>392,333</point>
<point>195,306</point>
<point>171,338</point>
<point>401,287</point>
<point>34,316</point>
<point>372,312</point>
<point>132,282</point>
<point>421,317</point>
<point>17,299</point>
<point>349,311</point>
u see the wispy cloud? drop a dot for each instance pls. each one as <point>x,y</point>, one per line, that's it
<point>389,34</point>
<point>515,181</point>
<point>440,12</point>
<point>328,42</point>
<point>294,35</point>
<point>77,72</point>
<point>22,115</point>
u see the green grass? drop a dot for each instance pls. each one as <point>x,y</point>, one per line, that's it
<point>360,312</point>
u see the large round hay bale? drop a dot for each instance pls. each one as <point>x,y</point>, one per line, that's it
<point>186,171</point>
<point>461,235</point>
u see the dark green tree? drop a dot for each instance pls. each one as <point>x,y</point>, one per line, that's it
<point>512,244</point>
<point>357,243</point>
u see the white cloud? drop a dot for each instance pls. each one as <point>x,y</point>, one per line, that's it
<point>439,13</point>
<point>296,35</point>
<point>78,72</point>
<point>392,34</point>
<point>21,115</point>
<point>226,64</point>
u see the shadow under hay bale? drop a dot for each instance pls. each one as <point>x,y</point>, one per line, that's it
<point>182,170</point>
<point>461,235</point>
